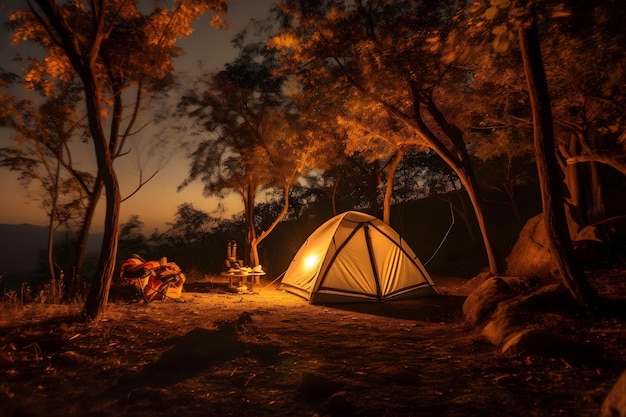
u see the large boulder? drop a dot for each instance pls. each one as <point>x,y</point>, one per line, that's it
<point>530,256</point>
<point>614,404</point>
<point>484,300</point>
<point>528,321</point>
<point>489,291</point>
<point>594,245</point>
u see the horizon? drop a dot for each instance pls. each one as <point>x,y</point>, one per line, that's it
<point>157,201</point>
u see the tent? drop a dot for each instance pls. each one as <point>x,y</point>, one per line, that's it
<point>356,257</point>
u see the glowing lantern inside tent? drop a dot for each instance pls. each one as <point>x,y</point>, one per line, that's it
<point>310,261</point>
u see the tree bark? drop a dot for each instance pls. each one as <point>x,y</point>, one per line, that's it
<point>249,214</point>
<point>98,296</point>
<point>458,161</point>
<point>254,257</point>
<point>391,174</point>
<point>559,241</point>
<point>83,235</point>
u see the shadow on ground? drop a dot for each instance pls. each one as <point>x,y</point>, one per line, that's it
<point>441,308</point>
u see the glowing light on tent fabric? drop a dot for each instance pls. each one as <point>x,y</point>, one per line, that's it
<point>311,261</point>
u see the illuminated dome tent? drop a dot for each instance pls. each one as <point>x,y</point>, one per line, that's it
<point>356,257</point>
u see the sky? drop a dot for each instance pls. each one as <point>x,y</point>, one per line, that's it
<point>156,202</point>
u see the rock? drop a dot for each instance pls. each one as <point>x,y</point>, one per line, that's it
<point>523,285</point>
<point>530,255</point>
<point>612,233</point>
<point>539,342</point>
<point>590,253</point>
<point>614,404</point>
<point>152,395</point>
<point>477,281</point>
<point>244,318</point>
<point>481,302</point>
<point>547,343</point>
<point>503,325</point>
<point>338,403</point>
<point>590,232</point>
<point>553,297</point>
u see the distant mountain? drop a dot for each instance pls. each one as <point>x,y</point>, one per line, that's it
<point>21,246</point>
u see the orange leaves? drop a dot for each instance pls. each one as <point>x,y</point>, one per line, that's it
<point>504,37</point>
<point>284,40</point>
<point>165,26</point>
<point>57,66</point>
<point>25,27</point>
<point>496,6</point>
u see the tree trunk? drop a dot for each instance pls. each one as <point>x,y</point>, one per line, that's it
<point>249,214</point>
<point>53,218</point>
<point>572,177</point>
<point>98,296</point>
<point>559,241</point>
<point>333,195</point>
<point>391,174</point>
<point>459,163</point>
<point>83,236</point>
<point>254,258</point>
<point>597,209</point>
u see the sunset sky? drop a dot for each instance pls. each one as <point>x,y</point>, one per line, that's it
<point>156,203</point>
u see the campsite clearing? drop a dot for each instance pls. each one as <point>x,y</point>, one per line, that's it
<point>270,353</point>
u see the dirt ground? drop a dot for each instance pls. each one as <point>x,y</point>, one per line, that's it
<point>223,353</point>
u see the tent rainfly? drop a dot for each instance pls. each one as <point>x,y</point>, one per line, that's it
<point>356,257</point>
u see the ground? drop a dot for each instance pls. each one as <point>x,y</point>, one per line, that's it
<point>221,353</point>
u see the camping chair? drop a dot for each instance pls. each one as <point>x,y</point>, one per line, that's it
<point>153,280</point>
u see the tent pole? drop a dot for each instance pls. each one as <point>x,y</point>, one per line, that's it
<point>370,251</point>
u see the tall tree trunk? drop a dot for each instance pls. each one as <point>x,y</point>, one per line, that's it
<point>83,236</point>
<point>53,217</point>
<point>576,211</point>
<point>333,195</point>
<point>597,208</point>
<point>391,174</point>
<point>559,241</point>
<point>458,161</point>
<point>249,214</point>
<point>98,296</point>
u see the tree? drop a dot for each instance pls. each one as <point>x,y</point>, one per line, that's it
<point>110,46</point>
<point>583,64</point>
<point>189,226</point>
<point>510,22</point>
<point>131,239</point>
<point>44,132</point>
<point>251,141</point>
<point>554,217</point>
<point>377,136</point>
<point>385,53</point>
